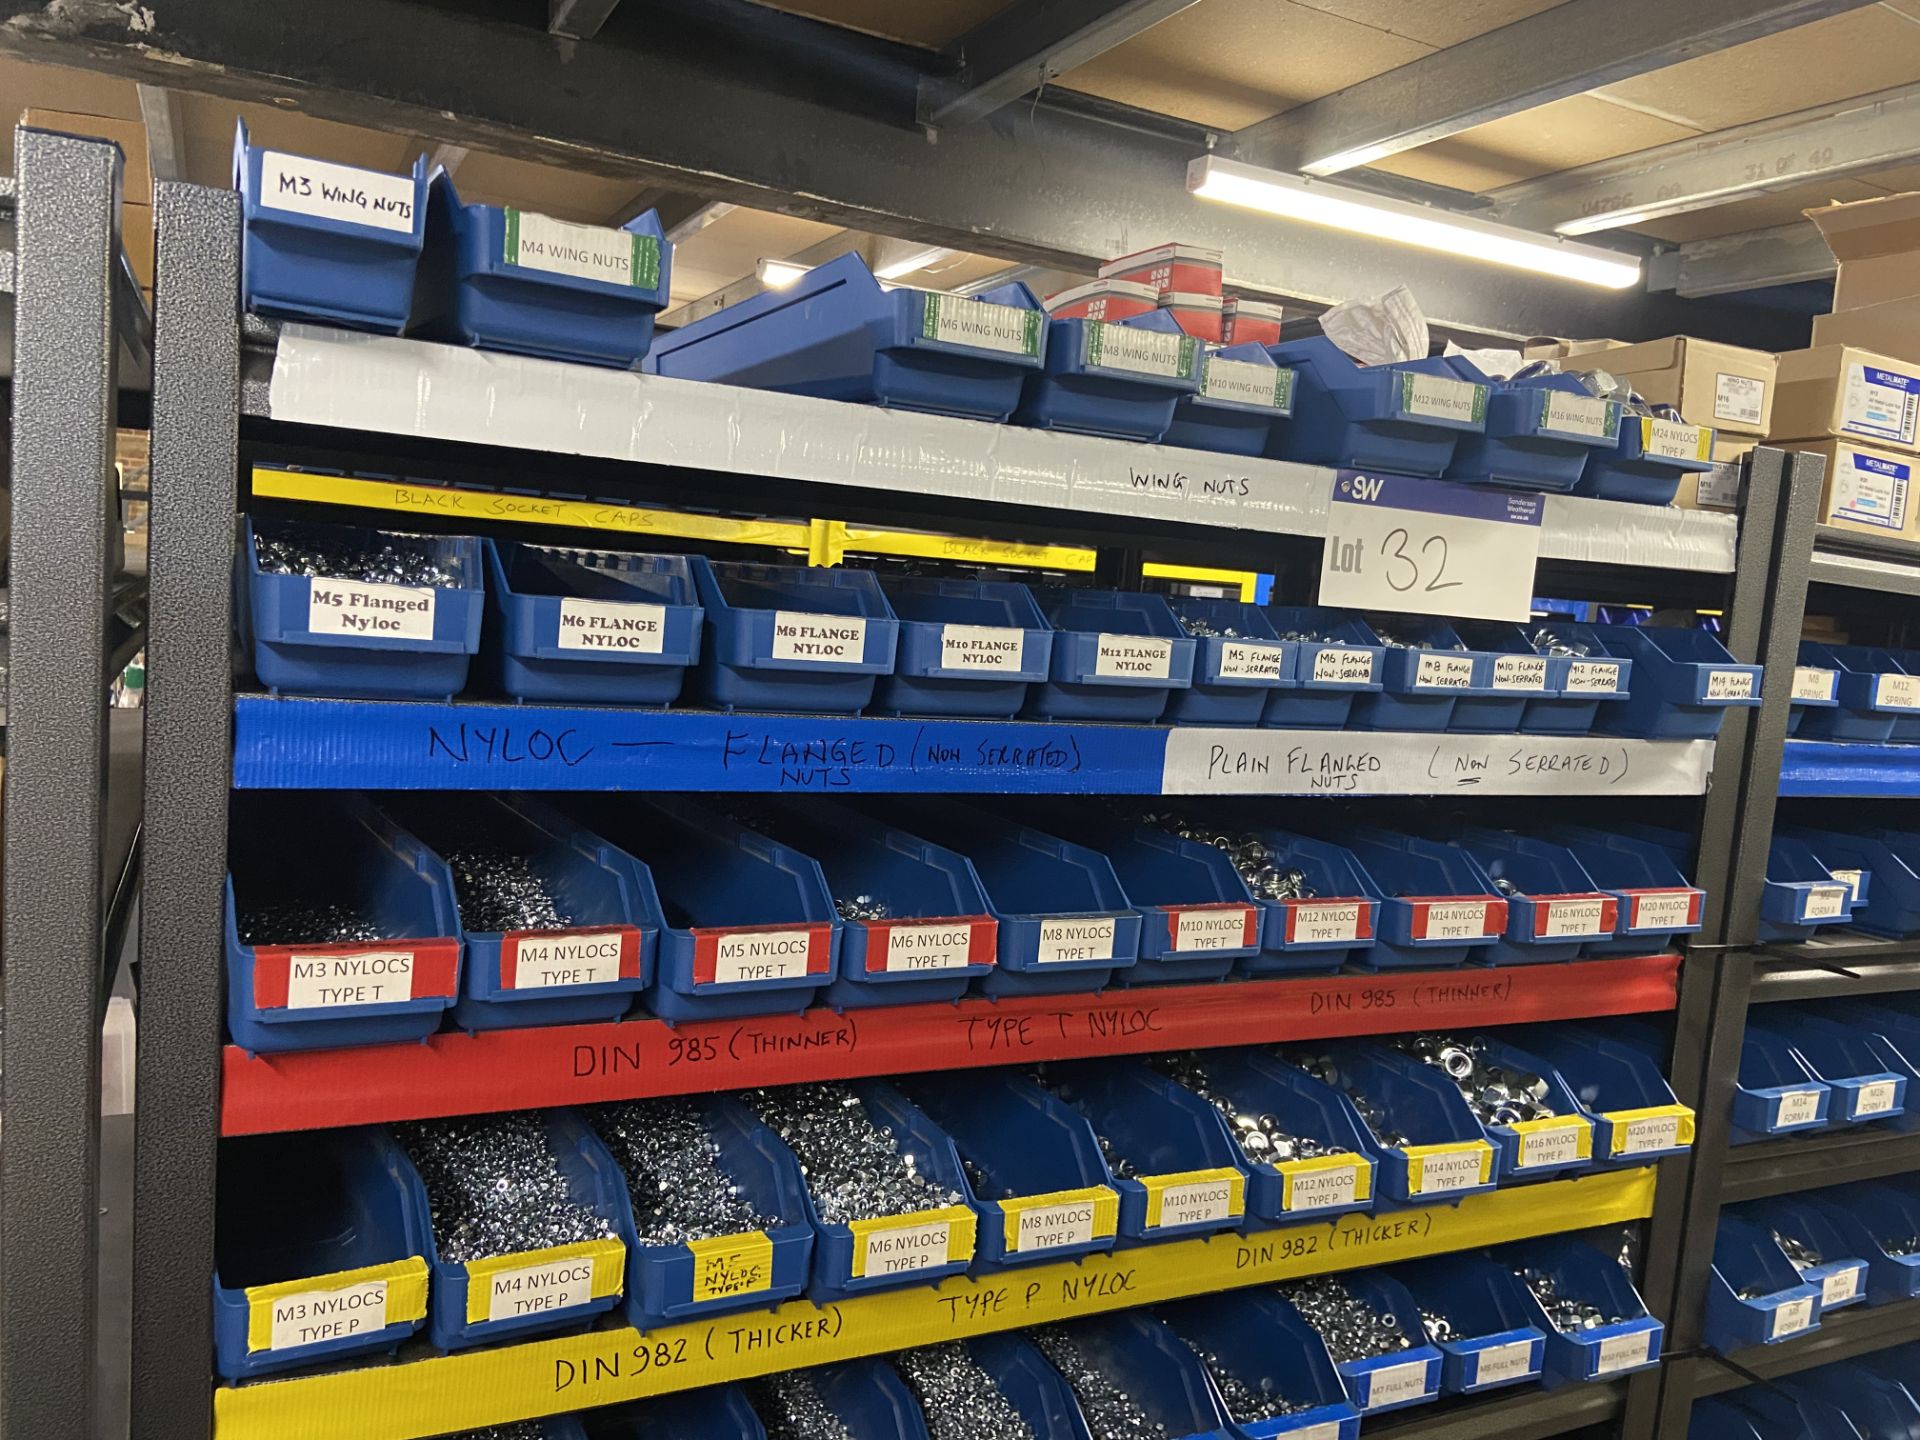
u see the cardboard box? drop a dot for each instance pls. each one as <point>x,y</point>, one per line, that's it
<point>1197,315</point>
<point>1877,243</point>
<point>136,237</point>
<point>1187,269</point>
<point>1567,349</point>
<point>1848,393</point>
<point>1867,489</point>
<point>1892,329</point>
<point>1104,300</point>
<point>136,183</point>
<point>1251,320</point>
<point>1724,386</point>
<point>1721,488</point>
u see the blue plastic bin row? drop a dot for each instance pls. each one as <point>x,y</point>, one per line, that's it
<point>1859,693</point>
<point>1826,1067</point>
<point>1876,1397</point>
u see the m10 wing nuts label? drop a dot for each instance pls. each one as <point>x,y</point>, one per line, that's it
<point>355,607</point>
<point>734,957</point>
<point>820,639</point>
<point>1132,657</point>
<point>981,324</point>
<point>1069,938</point>
<point>1840,1286</point>
<point>1672,440</point>
<point>1142,352</point>
<point>1739,399</point>
<point>1439,670</point>
<point>1563,916</point>
<point>912,947</point>
<point>1592,677</point>
<point>1812,683</point>
<point>1623,1352</point>
<point>611,626</point>
<point>1244,383</point>
<point>1797,1107</point>
<point>989,649</point>
<point>551,959</point>
<point>1729,685</point>
<point>337,192</point>
<point>1396,1384</point>
<point>1897,692</point>
<point>536,1289</point>
<point>1520,672</point>
<point>1335,666</point>
<point>1245,660</point>
<point>1791,1317</point>
<point>1579,415</point>
<point>313,1317</point>
<point>585,252</point>
<point>1325,922</point>
<point>1439,398</point>
<point>1880,404</point>
<point>1498,1363</point>
<point>1876,1097</point>
<point>1213,927</point>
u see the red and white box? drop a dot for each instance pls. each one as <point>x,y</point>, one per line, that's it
<point>1251,320</point>
<point>1196,315</point>
<point>1103,300</point>
<point>1180,269</point>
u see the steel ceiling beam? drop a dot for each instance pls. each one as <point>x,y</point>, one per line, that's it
<point>1751,260</point>
<point>1057,183</point>
<point>1572,48</point>
<point>1688,175</point>
<point>578,19</point>
<point>1026,45</point>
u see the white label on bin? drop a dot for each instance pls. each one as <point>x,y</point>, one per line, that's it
<point>1812,683</point>
<point>1540,1148</point>
<point>1333,666</point>
<point>1195,1202</point>
<point>1797,1107</point>
<point>1867,490</point>
<point>336,192</point>
<point>1880,404</point>
<point>1246,383</point>
<point>533,1289</point>
<point>355,607</point>
<point>1573,917</point>
<point>1719,488</point>
<point>1672,440</point>
<point>1438,670</point>
<point>760,955</point>
<point>1089,939</point>
<point>1328,1430</point>
<point>981,324</point>
<point>1392,1384</point>
<point>929,947</point>
<point>1592,677</point>
<point>1851,879</point>
<point>1133,657</point>
<point>1826,902</point>
<point>1443,399</point>
<point>370,977</point>
<point>312,1316</point>
<point>1897,691</point>
<point>611,625</point>
<point>542,962</point>
<point>902,1249</point>
<point>1451,1170</point>
<point>1623,1352</point>
<point>982,647</point>
<point>1240,660</point>
<point>1211,929</point>
<point>1791,1317</point>
<point>1651,1132</point>
<point>824,639</point>
<point>1729,685</point>
<point>1578,415</point>
<point>1840,1285</point>
<point>1520,672</point>
<point>1311,923</point>
<point>1739,398</point>
<point>1050,1227</point>
<point>1318,1189</point>
<point>1511,1361</point>
<point>1662,912</point>
<point>1454,920</point>
<point>587,252</point>
<point>1874,1098</point>
<point>1144,352</point>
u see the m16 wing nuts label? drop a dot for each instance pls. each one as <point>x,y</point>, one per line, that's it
<point>733,957</point>
<point>330,977</point>
<point>916,946</point>
<point>567,959</point>
<point>981,324</point>
<point>536,1289</point>
<point>1198,928</point>
<point>1440,670</point>
<point>1244,660</point>
<point>357,607</point>
<point>1069,938</point>
<point>1132,657</point>
<point>1439,398</point>
<point>989,648</point>
<point>1592,677</point>
<point>1729,685</point>
<point>1579,415</point>
<point>1335,666</point>
<point>1244,383</point>
<point>1520,672</point>
<point>1672,440</point>
<point>822,639</point>
<point>585,252</point>
<point>336,192</point>
<point>1143,352</point>
<point>1812,683</point>
<point>621,629</point>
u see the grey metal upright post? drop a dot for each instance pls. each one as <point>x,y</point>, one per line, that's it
<point>196,429</point>
<point>64,398</point>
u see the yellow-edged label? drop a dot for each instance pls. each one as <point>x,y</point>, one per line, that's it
<point>1064,1217</point>
<point>1456,1165</point>
<point>1194,1197</point>
<point>528,1282</point>
<point>1556,1140</point>
<point>1655,1127</point>
<point>1675,439</point>
<point>732,1265</point>
<point>551,1375</point>
<point>293,1313</point>
<point>919,1240</point>
<point>1325,1180</point>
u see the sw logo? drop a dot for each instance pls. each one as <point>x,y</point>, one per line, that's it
<point>1362,487</point>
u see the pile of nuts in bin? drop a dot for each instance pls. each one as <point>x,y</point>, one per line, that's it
<point>1498,1094</point>
<point>1353,1329</point>
<point>1262,1136</point>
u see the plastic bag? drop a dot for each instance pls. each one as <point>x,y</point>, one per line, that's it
<point>1379,331</point>
<point>1496,363</point>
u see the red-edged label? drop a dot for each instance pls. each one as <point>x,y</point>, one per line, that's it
<point>740,956</point>
<point>1196,929</point>
<point>903,947</point>
<point>1671,909</point>
<point>1326,922</point>
<point>550,959</point>
<point>1456,917</point>
<point>374,972</point>
<point>1559,917</point>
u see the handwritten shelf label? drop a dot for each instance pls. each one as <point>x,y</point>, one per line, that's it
<point>1519,672</point>
<point>989,648</point>
<point>336,192</point>
<point>1437,670</point>
<point>981,324</point>
<point>609,625</point>
<point>1592,677</point>
<point>355,607</point>
<point>728,1265</point>
<point>1242,660</point>
<point>1729,684</point>
<point>1429,547</point>
<point>585,252</point>
<point>819,639</point>
<point>1335,666</point>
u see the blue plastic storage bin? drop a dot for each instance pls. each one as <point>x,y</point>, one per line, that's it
<point>1425,669</point>
<point>1037,1390</point>
<point>750,924</point>
<point>1323,932</point>
<point>1892,1034</point>
<point>1906,724</point>
<point>1776,1093</point>
<point>1065,924</point>
<point>1405,417</point>
<point>1037,1176</point>
<point>599,626</point>
<point>1138,1352</point>
<point>1875,1405</point>
<point>1636,1119</point>
<point>1847,1060</point>
<point>1560,1144</point>
<point>590,970</point>
<point>1541,431</point>
<point>1871,693</point>
<point>313,635</point>
<point>967,647</point>
<point>1880,868</point>
<point>1801,893</point>
<point>1578,684</point>
<point>496,1284</point>
<point>1116,378</point>
<point>298,996</point>
<point>1262,1341</point>
<point>1646,463</point>
<point>326,242</point>
<point>741,1272</point>
<point>1448,1152</point>
<point>1754,1295</point>
<point>870,1400</point>
<point>1342,661</point>
<point>792,637</point>
<point>1495,1342</point>
<point>836,333</point>
<point>1188,1176</point>
<point>506,279</point>
<point>1243,394</point>
<point>325,1234</point>
<point>1787,1412</point>
<point>1816,686</point>
<point>1580,1270</point>
<point>1656,902</point>
<point>1840,1273</point>
<point>938,935</point>
<point>1233,679</point>
<point>1519,675</point>
<point>1436,906</point>
<point>1684,682</point>
<point>1117,655</point>
<point>1399,1378</point>
<point>720,1412</point>
<point>1872,1220</point>
<point>1555,911</point>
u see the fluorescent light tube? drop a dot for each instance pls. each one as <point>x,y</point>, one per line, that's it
<point>917,260</point>
<point>779,274</point>
<point>1343,208</point>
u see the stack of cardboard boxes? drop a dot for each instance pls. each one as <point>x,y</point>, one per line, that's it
<point>136,181</point>
<point>1184,280</point>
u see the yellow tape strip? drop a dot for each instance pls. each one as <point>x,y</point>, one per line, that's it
<point>1075,1214</point>
<point>1246,581</point>
<point>1422,1158</point>
<point>914,1229</point>
<point>732,1265</point>
<point>1316,1183</point>
<point>501,1383</point>
<point>406,1295</point>
<point>1705,441</point>
<point>607,1257</point>
<point>1196,1195</point>
<point>1624,1121</point>
<point>844,539</point>
<point>1542,1141</point>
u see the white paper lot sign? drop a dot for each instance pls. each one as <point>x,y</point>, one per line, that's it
<point>1429,547</point>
